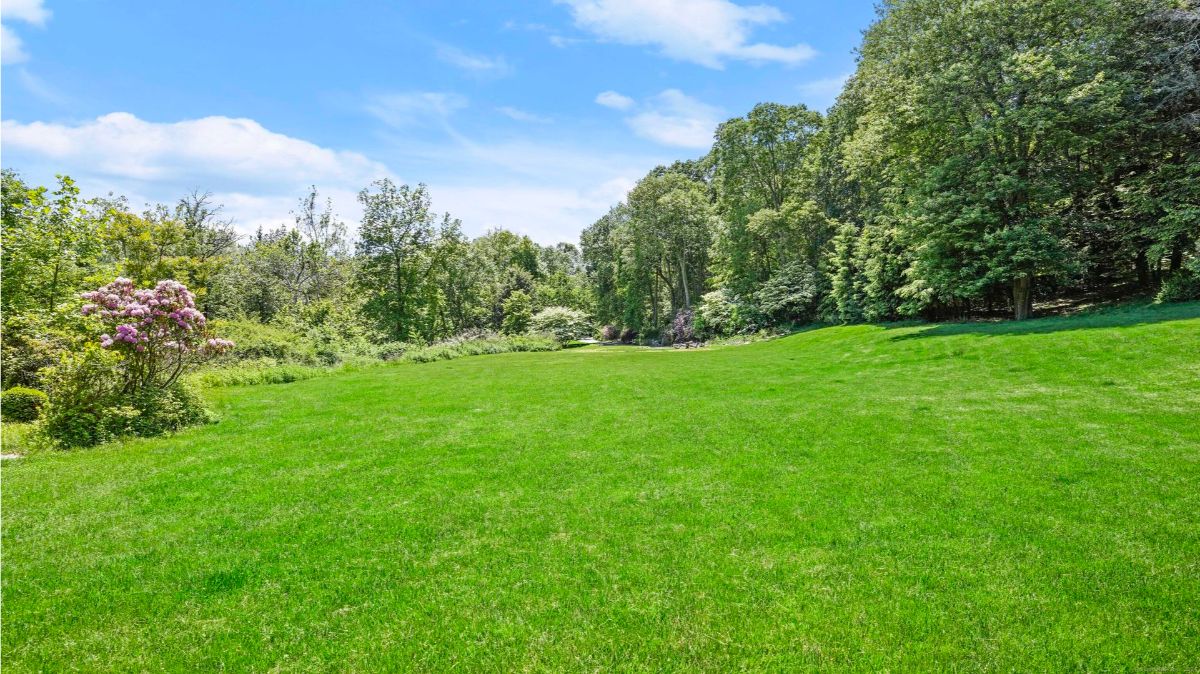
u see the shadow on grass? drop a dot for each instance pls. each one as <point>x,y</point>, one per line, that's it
<point>1124,316</point>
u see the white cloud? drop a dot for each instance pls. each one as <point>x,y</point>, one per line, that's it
<point>707,32</point>
<point>415,108</point>
<point>474,63</point>
<point>547,214</point>
<point>547,190</point>
<point>257,173</point>
<point>12,49</point>
<point>33,12</point>
<point>823,92</point>
<point>563,42</point>
<point>676,119</point>
<point>611,99</point>
<point>522,116</point>
<point>29,11</point>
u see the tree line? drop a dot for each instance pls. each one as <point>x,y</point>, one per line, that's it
<point>983,155</point>
<point>408,275</point>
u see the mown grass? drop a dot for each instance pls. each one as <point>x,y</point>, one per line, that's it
<point>963,497</point>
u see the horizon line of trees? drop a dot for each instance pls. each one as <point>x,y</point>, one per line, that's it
<point>408,276</point>
<point>983,155</point>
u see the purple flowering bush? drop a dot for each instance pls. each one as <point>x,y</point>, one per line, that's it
<point>129,382</point>
<point>158,331</point>
<point>682,328</point>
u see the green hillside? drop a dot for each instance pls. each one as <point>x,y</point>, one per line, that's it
<point>1009,496</point>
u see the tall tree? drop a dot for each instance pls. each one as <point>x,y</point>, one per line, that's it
<point>395,240</point>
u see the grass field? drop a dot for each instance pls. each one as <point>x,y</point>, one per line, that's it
<point>962,496</point>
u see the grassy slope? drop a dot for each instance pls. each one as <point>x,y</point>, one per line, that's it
<point>984,497</point>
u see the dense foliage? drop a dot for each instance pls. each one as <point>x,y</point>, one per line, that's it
<point>984,155</point>
<point>564,323</point>
<point>21,403</point>
<point>99,310</point>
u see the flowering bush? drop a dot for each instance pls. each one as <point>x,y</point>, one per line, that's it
<point>681,329</point>
<point>159,331</point>
<point>722,313</point>
<point>562,322</point>
<point>128,384</point>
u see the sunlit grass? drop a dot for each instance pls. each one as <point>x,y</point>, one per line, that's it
<point>1001,496</point>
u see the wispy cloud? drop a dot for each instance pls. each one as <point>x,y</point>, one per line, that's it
<point>415,108</point>
<point>522,115</point>
<point>32,12</point>
<point>669,118</point>
<point>39,88</point>
<point>564,42</point>
<point>553,36</point>
<point>611,99</point>
<point>707,32</point>
<point>478,64</point>
<point>674,118</point>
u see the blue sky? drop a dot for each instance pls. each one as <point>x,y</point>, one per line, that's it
<point>535,116</point>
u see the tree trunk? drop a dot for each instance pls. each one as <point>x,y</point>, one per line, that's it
<point>1143,268</point>
<point>687,298</point>
<point>1176,258</point>
<point>654,302</point>
<point>1022,297</point>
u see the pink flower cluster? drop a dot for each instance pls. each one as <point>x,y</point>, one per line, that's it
<point>218,345</point>
<point>164,317</point>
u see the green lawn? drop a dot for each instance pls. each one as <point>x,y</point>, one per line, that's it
<point>967,497</point>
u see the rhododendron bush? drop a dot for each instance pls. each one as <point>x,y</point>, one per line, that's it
<point>158,331</point>
<point>128,383</point>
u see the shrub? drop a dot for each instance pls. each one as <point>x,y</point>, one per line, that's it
<point>518,313</point>
<point>628,335</point>
<point>83,389</point>
<point>392,350</point>
<point>254,341</point>
<point>681,328</point>
<point>35,341</point>
<point>166,410</point>
<point>564,323</point>
<point>1181,286</point>
<point>791,294</point>
<point>610,333</point>
<point>159,332</point>
<point>476,344</point>
<point>21,404</point>
<point>87,406</point>
<point>261,371</point>
<point>129,385</point>
<point>722,313</point>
